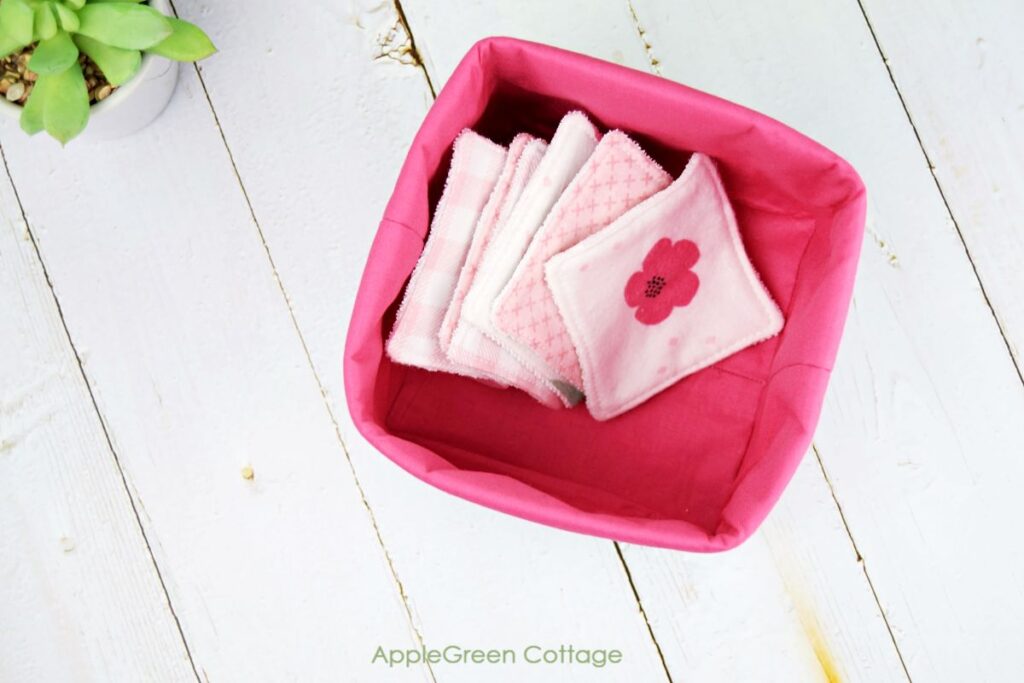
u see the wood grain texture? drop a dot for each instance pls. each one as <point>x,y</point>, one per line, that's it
<point>471,576</point>
<point>602,28</point>
<point>187,342</point>
<point>80,598</point>
<point>960,69</point>
<point>791,604</point>
<point>206,282</point>
<point>921,433</point>
<point>773,612</point>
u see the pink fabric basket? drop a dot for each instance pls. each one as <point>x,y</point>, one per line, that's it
<point>698,466</point>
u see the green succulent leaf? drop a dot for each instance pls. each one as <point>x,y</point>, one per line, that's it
<point>187,43</point>
<point>68,19</point>
<point>112,33</point>
<point>45,22</point>
<point>59,104</point>
<point>66,103</point>
<point>123,24</point>
<point>16,19</point>
<point>9,45</point>
<point>32,113</point>
<point>53,55</point>
<point>117,64</point>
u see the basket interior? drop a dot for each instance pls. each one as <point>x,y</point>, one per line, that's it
<point>677,456</point>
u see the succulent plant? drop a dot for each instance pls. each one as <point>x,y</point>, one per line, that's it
<point>112,33</point>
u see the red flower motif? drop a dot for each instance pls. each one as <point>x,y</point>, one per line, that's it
<point>665,282</point>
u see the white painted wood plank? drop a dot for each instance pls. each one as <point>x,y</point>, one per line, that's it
<point>960,69</point>
<point>792,604</point>
<point>808,612</point>
<point>437,543</point>
<point>80,598</point>
<point>472,576</point>
<point>197,370</point>
<point>600,28</point>
<point>921,433</point>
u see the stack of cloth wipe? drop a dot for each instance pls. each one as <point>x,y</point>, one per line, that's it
<point>577,269</point>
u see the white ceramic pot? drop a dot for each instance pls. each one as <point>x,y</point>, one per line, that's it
<point>132,106</point>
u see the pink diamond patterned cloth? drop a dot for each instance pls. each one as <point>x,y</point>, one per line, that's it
<point>465,344</point>
<point>573,142</point>
<point>617,177</point>
<point>662,292</point>
<point>476,164</point>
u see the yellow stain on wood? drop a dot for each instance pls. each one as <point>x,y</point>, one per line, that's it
<point>890,255</point>
<point>809,623</point>
<point>821,653</point>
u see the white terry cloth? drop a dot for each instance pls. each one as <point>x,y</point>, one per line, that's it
<point>465,344</point>
<point>572,144</point>
<point>475,167</point>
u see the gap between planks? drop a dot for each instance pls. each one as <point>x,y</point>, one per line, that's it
<point>418,62</point>
<point>643,612</point>
<point>413,50</point>
<point>641,33</point>
<point>309,359</point>
<point>655,67</point>
<point>861,562</point>
<point>942,193</point>
<point>99,414</point>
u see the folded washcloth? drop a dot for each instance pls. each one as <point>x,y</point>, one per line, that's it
<point>664,291</point>
<point>475,167</point>
<point>465,344</point>
<point>618,176</point>
<point>524,153</point>
<point>572,144</point>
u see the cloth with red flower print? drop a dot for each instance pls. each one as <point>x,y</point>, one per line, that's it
<point>664,291</point>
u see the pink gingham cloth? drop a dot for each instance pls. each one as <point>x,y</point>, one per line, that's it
<point>524,153</point>
<point>476,164</point>
<point>617,177</point>
<point>465,344</point>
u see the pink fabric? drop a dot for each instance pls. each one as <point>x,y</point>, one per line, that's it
<point>664,291</point>
<point>465,344</point>
<point>698,466</point>
<point>476,165</point>
<point>514,175</point>
<point>571,145</point>
<point>617,177</point>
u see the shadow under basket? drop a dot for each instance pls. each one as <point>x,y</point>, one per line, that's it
<point>698,466</point>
